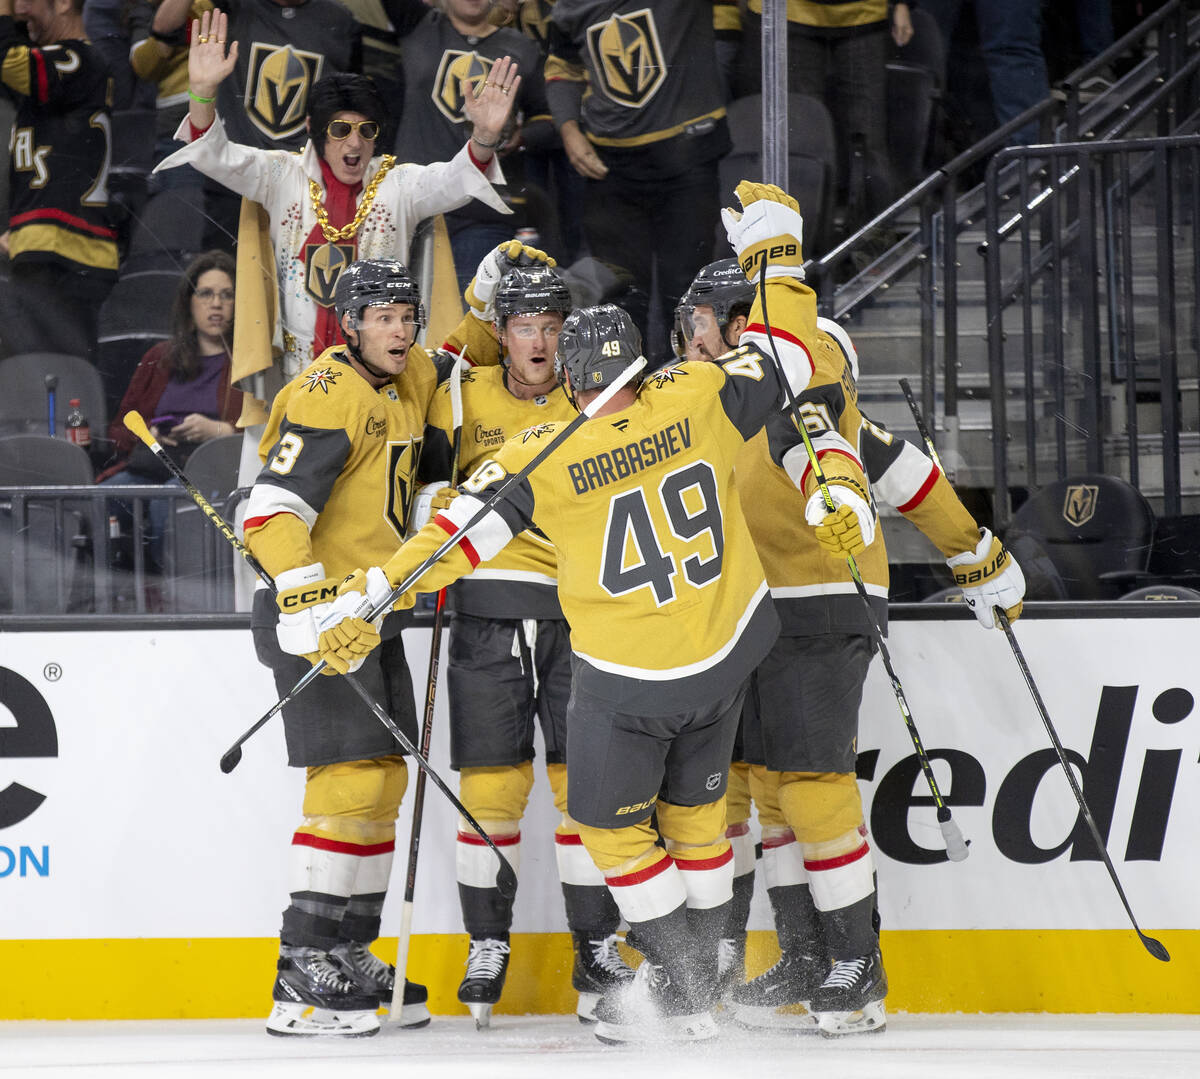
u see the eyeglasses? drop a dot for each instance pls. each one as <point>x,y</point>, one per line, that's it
<point>528,333</point>
<point>207,295</point>
<point>340,129</point>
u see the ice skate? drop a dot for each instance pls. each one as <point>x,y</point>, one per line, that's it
<point>480,989</point>
<point>779,998</point>
<point>731,966</point>
<point>850,1000</point>
<point>313,997</point>
<point>651,1009</point>
<point>598,969</point>
<point>372,975</point>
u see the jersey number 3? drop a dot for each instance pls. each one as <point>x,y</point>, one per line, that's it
<point>634,557</point>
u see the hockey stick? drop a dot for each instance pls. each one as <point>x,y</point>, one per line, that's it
<point>367,611</point>
<point>404,937</point>
<point>507,877</point>
<point>1154,947</point>
<point>956,847</point>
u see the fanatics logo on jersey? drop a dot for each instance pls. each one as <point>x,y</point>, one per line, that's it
<point>536,431</point>
<point>458,70</point>
<point>1079,505</point>
<point>627,57</point>
<point>323,265</point>
<point>321,380</point>
<point>667,374</point>
<point>277,85</point>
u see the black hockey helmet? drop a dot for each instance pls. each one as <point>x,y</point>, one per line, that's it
<point>723,287</point>
<point>531,290</point>
<point>595,346</point>
<point>369,282</point>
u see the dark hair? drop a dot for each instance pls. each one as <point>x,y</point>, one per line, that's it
<point>183,355</point>
<point>346,93</point>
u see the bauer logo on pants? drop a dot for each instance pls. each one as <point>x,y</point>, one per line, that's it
<point>277,85</point>
<point>627,57</point>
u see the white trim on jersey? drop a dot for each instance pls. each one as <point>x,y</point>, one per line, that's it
<point>669,674</point>
<point>489,537</point>
<point>519,576</point>
<point>827,588</point>
<point>905,476</point>
<point>266,500</point>
<point>794,358</point>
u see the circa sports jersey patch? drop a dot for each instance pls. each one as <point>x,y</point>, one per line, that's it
<point>457,72</point>
<point>536,431</point>
<point>321,379</point>
<point>627,57</point>
<point>278,80</point>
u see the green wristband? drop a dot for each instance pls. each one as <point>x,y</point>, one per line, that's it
<point>202,100</point>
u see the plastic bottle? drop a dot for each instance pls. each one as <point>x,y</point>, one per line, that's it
<point>76,427</point>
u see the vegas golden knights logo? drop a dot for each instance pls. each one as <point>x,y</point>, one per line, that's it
<point>458,72</point>
<point>323,265</point>
<point>533,20</point>
<point>627,57</point>
<point>277,85</point>
<point>402,459</point>
<point>1079,505</point>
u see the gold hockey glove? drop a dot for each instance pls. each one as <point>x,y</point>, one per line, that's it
<point>481,292</point>
<point>769,228</point>
<point>304,596</point>
<point>849,529</point>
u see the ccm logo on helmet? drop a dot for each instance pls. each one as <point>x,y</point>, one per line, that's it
<point>323,594</point>
<point>779,251</point>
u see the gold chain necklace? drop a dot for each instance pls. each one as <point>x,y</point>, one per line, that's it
<point>364,207</point>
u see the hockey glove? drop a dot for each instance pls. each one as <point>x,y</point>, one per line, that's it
<point>769,228</point>
<point>430,501</point>
<point>346,637</point>
<point>989,577</point>
<point>849,529</point>
<point>481,292</point>
<point>304,596</point>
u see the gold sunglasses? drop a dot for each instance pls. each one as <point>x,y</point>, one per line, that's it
<point>340,129</point>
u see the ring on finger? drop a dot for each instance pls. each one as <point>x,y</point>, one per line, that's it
<point>203,39</point>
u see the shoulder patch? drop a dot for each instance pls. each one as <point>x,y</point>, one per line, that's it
<point>536,431</point>
<point>321,378</point>
<point>667,374</point>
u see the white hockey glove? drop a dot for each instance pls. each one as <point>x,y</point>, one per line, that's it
<point>304,595</point>
<point>346,637</point>
<point>849,529</point>
<point>481,292</point>
<point>989,577</point>
<point>769,227</point>
<point>430,501</point>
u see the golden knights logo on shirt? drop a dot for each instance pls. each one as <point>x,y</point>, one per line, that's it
<point>323,265</point>
<point>627,57</point>
<point>277,84</point>
<point>458,70</point>
<point>1079,504</point>
<point>402,461</point>
<point>533,20</point>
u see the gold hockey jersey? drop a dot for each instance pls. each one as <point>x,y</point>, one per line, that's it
<point>339,457</point>
<point>522,580</point>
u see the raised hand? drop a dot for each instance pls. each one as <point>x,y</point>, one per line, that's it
<point>210,57</point>
<point>489,108</point>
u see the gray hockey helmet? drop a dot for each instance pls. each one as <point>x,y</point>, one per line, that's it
<point>595,346</point>
<point>371,282</point>
<point>531,290</point>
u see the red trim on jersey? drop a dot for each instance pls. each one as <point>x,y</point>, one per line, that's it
<point>450,527</point>
<point>822,453</point>
<point>640,876</point>
<point>49,213</point>
<point>40,76</point>
<point>258,522</point>
<point>778,841</point>
<point>473,839</point>
<point>740,828</point>
<point>706,863</point>
<point>838,862</point>
<point>922,491</point>
<point>758,327</point>
<point>568,839</point>
<point>362,850</point>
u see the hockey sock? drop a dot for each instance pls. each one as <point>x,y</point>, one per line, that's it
<point>742,843</point>
<point>486,912</point>
<point>589,904</point>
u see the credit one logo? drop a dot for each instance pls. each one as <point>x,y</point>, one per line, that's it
<point>1102,768</point>
<point>34,735</point>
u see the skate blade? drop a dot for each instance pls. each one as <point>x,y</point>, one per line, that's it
<point>788,1017</point>
<point>482,1014</point>
<point>301,1020</point>
<point>412,1017</point>
<point>871,1019</point>
<point>586,1008</point>
<point>678,1028</point>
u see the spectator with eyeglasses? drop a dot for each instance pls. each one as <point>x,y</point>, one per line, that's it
<point>340,199</point>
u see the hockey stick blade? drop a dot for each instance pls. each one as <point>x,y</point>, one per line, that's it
<point>1153,946</point>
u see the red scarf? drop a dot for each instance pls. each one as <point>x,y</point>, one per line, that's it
<point>341,203</point>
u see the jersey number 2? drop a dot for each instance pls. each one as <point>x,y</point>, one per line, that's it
<point>692,507</point>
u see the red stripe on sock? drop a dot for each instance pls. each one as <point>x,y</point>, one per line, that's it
<point>362,850</point>
<point>838,862</point>
<point>568,839</point>
<point>640,876</point>
<point>475,840</point>
<point>706,863</point>
<point>778,841</point>
<point>740,828</point>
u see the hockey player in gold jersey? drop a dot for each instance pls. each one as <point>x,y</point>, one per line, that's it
<point>339,458</point>
<point>509,651</point>
<point>668,610</point>
<point>801,714</point>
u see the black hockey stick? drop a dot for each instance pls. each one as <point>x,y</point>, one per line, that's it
<point>1154,947</point>
<point>956,846</point>
<point>404,937</point>
<point>367,611</point>
<point>506,879</point>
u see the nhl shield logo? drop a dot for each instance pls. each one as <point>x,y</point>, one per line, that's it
<point>627,57</point>
<point>1079,505</point>
<point>323,265</point>
<point>277,85</point>
<point>457,72</point>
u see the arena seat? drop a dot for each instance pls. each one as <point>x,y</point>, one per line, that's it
<point>23,394</point>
